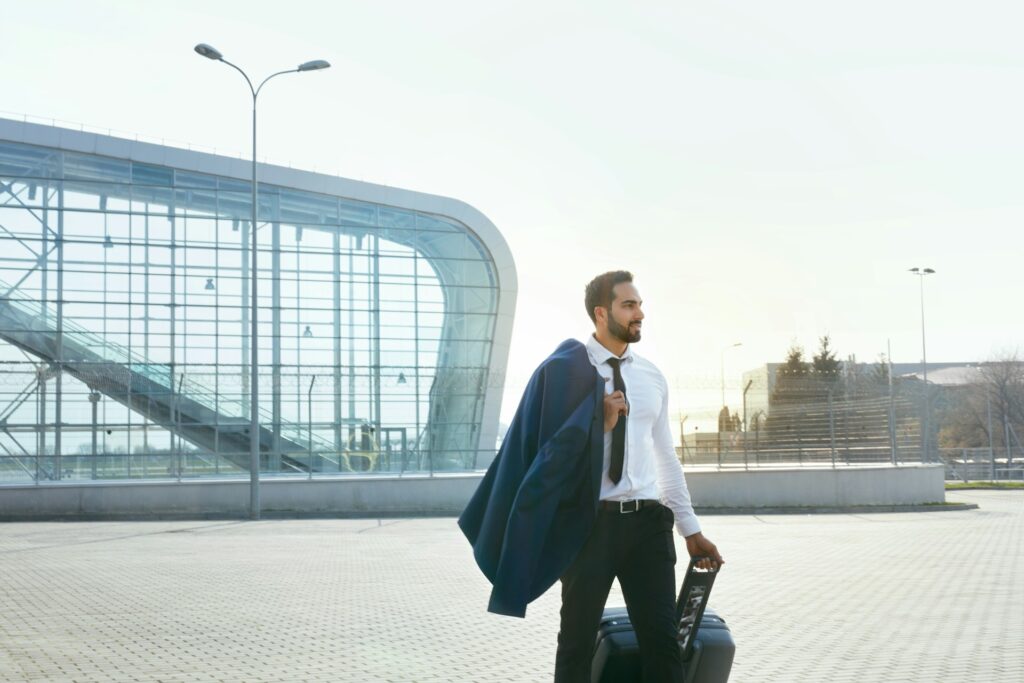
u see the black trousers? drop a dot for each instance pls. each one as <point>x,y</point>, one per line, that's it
<point>639,549</point>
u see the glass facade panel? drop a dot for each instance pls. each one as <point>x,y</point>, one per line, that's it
<point>125,336</point>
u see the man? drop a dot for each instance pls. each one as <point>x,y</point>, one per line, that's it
<point>573,492</point>
<point>643,491</point>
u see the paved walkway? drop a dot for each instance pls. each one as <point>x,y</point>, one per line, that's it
<point>936,596</point>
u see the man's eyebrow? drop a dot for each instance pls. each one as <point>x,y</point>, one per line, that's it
<point>631,301</point>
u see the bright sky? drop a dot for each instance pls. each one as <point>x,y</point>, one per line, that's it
<point>769,171</point>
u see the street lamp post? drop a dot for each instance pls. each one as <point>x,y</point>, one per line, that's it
<point>921,273</point>
<point>682,437</point>
<point>745,454</point>
<point>254,420</point>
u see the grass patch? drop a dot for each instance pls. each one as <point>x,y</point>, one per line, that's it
<point>959,485</point>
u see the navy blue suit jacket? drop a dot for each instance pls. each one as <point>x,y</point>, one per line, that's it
<point>534,509</point>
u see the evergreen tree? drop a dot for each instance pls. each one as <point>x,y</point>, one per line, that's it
<point>825,365</point>
<point>880,370</point>
<point>795,365</point>
<point>793,379</point>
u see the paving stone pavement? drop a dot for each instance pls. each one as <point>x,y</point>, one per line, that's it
<point>933,596</point>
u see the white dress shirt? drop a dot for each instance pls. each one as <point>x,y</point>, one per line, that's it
<point>651,469</point>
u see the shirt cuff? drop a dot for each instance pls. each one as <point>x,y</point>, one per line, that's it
<point>688,525</point>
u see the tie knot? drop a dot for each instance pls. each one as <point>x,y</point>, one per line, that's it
<point>614,362</point>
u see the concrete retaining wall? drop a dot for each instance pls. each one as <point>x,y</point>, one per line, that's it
<point>448,494</point>
<point>230,498</point>
<point>824,487</point>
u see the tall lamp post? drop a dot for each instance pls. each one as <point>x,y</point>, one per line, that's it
<point>745,390</point>
<point>921,273</point>
<point>211,52</point>
<point>682,438</point>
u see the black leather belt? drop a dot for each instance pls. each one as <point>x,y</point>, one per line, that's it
<point>625,506</point>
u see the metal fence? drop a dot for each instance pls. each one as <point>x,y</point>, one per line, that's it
<point>983,464</point>
<point>851,421</point>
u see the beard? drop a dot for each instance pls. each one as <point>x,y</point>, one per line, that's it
<point>623,333</point>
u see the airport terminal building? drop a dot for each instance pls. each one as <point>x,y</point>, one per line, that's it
<point>384,318</point>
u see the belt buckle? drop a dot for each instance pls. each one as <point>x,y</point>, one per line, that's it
<point>624,503</point>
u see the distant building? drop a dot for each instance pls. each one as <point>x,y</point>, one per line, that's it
<point>763,379</point>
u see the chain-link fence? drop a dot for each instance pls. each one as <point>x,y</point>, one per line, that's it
<point>983,464</point>
<point>858,419</point>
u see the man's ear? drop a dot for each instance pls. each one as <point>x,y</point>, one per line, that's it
<point>601,314</point>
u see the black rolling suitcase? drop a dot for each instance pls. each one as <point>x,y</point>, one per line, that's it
<point>707,644</point>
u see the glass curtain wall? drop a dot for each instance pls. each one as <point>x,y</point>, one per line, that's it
<point>125,330</point>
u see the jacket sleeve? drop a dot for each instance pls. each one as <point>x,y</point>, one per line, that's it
<point>559,465</point>
<point>485,519</point>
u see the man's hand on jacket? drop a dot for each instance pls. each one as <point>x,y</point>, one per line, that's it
<point>697,545</point>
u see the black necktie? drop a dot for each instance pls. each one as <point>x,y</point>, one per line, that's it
<point>619,431</point>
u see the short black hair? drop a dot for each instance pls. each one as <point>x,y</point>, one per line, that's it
<point>600,290</point>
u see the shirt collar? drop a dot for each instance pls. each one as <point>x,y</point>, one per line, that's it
<point>601,355</point>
